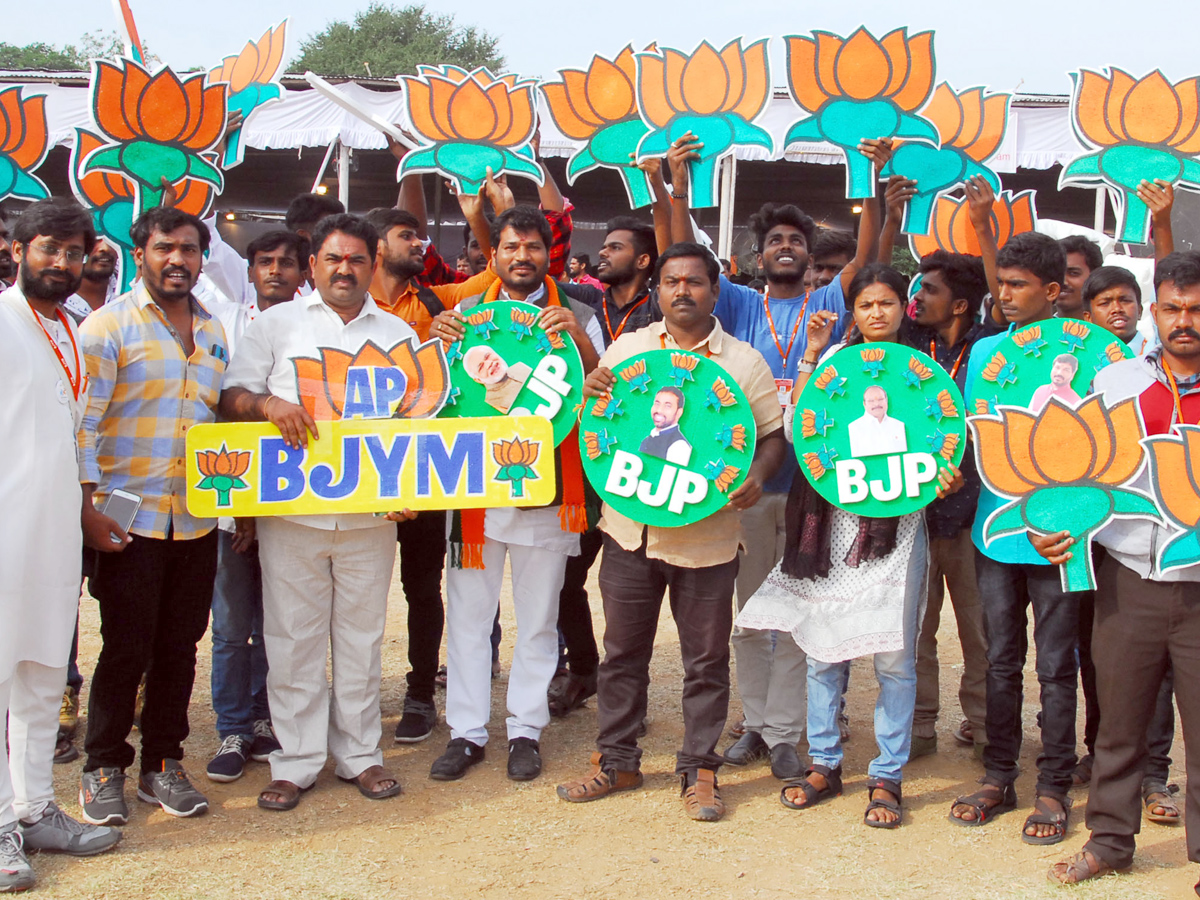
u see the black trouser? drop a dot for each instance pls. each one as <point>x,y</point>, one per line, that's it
<point>574,613</point>
<point>154,601</point>
<point>1007,590</point>
<point>632,587</point>
<point>1142,628</point>
<point>1162,727</point>
<point>422,557</point>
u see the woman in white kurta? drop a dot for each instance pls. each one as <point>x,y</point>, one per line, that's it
<point>863,601</point>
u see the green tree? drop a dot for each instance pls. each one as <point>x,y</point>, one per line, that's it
<point>41,56</point>
<point>98,44</point>
<point>385,41</point>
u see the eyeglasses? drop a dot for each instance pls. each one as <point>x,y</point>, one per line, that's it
<point>54,251</point>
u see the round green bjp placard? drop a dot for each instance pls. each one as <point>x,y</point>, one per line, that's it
<point>675,438</point>
<point>1051,358</point>
<point>873,426</point>
<point>507,364</point>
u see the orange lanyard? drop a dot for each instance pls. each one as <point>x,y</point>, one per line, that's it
<point>784,354</point>
<point>77,380</point>
<point>662,340</point>
<point>1174,393</point>
<point>621,327</point>
<point>957,362</point>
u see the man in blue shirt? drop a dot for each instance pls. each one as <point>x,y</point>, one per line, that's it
<point>1030,270</point>
<point>771,669</point>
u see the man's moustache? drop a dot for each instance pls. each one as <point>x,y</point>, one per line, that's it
<point>1184,332</point>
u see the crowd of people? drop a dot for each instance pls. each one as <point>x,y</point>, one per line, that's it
<point>101,391</point>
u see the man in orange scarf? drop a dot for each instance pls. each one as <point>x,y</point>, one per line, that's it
<point>538,541</point>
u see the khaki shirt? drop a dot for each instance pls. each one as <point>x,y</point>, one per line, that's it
<point>714,540</point>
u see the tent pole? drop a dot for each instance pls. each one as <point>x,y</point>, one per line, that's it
<point>344,175</point>
<point>725,231</point>
<point>1098,221</point>
<point>324,165</point>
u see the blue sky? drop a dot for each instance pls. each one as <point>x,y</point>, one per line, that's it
<point>1026,44</point>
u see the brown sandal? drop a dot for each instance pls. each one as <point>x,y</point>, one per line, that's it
<point>287,790</point>
<point>1083,866</point>
<point>1164,800</point>
<point>702,798</point>
<point>600,782</point>
<point>369,780</point>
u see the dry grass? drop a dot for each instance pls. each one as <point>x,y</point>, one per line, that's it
<point>489,838</point>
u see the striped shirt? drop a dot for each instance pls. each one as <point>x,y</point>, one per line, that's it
<point>145,395</point>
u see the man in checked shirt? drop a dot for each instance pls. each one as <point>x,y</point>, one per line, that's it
<point>156,359</point>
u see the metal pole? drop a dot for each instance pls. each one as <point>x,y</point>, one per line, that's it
<point>344,175</point>
<point>1098,220</point>
<point>725,231</point>
<point>324,165</point>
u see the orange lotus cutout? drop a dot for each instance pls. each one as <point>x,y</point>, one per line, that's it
<point>826,67</point>
<point>322,381</point>
<point>969,121</point>
<point>715,94</point>
<point>860,88</point>
<point>96,189</point>
<point>953,232</point>
<point>252,78</point>
<point>1174,476</point>
<point>1065,470</point>
<point>470,121</point>
<point>599,106</point>
<point>24,143</point>
<point>130,105</point>
<point>1141,129</point>
<point>707,83</point>
<point>1119,109</point>
<point>584,102</point>
<point>257,63</point>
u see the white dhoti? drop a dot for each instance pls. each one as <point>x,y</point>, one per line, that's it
<point>472,598</point>
<point>324,592</point>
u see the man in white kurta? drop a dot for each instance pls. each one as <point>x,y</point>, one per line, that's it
<point>325,577</point>
<point>534,541</point>
<point>41,542</point>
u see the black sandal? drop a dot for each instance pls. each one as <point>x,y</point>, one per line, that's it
<point>812,794</point>
<point>985,812</point>
<point>1043,816</point>
<point>892,787</point>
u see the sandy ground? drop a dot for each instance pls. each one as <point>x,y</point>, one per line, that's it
<point>488,837</point>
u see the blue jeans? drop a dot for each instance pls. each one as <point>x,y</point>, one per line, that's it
<point>896,673</point>
<point>239,659</point>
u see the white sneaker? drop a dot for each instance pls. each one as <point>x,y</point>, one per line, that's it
<point>15,872</point>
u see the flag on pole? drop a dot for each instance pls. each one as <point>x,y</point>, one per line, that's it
<point>133,43</point>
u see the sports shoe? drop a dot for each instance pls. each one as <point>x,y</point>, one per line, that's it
<point>460,755</point>
<point>56,832</point>
<point>416,722</point>
<point>230,761</point>
<point>171,790</point>
<point>68,713</point>
<point>524,759</point>
<point>15,872</point>
<point>265,743</point>
<point>102,797</point>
